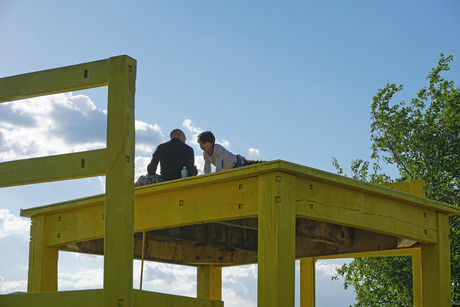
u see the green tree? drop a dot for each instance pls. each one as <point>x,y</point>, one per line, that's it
<point>422,139</point>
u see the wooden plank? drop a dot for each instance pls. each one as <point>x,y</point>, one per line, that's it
<point>175,252</point>
<point>209,282</point>
<point>414,186</point>
<point>119,205</point>
<point>435,260</point>
<point>376,253</point>
<point>324,232</point>
<point>307,282</point>
<point>53,168</point>
<point>170,208</point>
<point>363,241</point>
<point>417,277</point>
<point>356,185</point>
<point>179,207</point>
<point>211,234</point>
<point>43,260</point>
<point>276,271</point>
<point>69,227</point>
<point>148,299</point>
<point>53,81</point>
<point>369,211</point>
<point>80,298</point>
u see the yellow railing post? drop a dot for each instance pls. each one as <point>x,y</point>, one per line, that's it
<point>209,282</point>
<point>43,260</point>
<point>276,254</point>
<point>119,196</point>
<point>307,282</point>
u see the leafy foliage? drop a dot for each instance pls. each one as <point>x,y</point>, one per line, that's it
<point>422,139</point>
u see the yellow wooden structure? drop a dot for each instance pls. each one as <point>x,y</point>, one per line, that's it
<point>270,214</point>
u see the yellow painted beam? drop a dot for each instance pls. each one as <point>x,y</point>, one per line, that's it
<point>52,168</point>
<point>307,282</point>
<point>377,253</point>
<point>417,277</point>
<point>148,299</point>
<point>119,197</point>
<point>43,260</point>
<point>53,81</point>
<point>359,186</point>
<point>414,186</point>
<point>435,260</point>
<point>87,298</point>
<point>70,227</point>
<point>224,201</point>
<point>276,251</point>
<point>209,282</point>
<point>84,217</point>
<point>366,210</point>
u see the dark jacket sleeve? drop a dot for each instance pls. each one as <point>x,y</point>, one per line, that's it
<point>152,167</point>
<point>191,162</point>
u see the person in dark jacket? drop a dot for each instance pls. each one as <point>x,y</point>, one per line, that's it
<point>172,157</point>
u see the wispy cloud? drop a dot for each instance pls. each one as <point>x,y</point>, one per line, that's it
<point>58,124</point>
<point>12,286</point>
<point>87,279</point>
<point>11,224</point>
<point>326,269</point>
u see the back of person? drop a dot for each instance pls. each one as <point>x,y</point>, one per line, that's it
<point>173,156</point>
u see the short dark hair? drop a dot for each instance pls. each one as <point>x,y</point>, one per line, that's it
<point>206,136</point>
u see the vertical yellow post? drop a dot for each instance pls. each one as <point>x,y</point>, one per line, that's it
<point>119,197</point>
<point>43,260</point>
<point>276,242</point>
<point>435,259</point>
<point>416,187</point>
<point>209,282</point>
<point>417,277</point>
<point>307,282</point>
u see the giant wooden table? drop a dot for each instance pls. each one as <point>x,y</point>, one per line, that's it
<point>270,214</point>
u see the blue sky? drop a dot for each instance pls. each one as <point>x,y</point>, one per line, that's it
<point>290,80</point>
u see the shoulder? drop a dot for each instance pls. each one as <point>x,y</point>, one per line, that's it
<point>219,148</point>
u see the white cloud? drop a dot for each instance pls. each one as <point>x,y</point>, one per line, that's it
<point>148,137</point>
<point>11,224</point>
<point>169,278</point>
<point>61,123</point>
<point>326,269</point>
<point>191,128</point>
<point>239,285</point>
<point>87,279</point>
<point>12,286</point>
<point>50,125</point>
<point>252,154</point>
<point>141,166</point>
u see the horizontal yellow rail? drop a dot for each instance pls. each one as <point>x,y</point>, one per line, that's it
<point>53,81</point>
<point>52,168</point>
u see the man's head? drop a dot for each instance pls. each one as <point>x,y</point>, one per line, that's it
<point>177,134</point>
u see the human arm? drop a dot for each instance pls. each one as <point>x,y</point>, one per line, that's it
<point>152,167</point>
<point>207,163</point>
